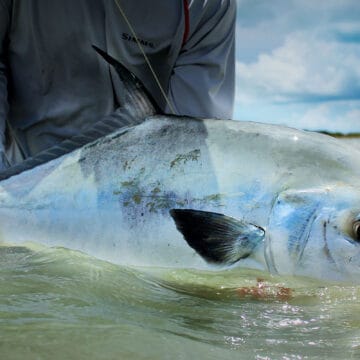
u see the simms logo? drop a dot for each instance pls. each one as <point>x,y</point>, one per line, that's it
<point>128,37</point>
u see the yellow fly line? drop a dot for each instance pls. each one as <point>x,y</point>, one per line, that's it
<point>145,57</point>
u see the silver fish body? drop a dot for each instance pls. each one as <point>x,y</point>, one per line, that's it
<point>185,192</point>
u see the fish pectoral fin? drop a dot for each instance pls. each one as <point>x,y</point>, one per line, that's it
<point>216,237</point>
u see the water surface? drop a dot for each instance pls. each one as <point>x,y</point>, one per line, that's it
<point>57,304</point>
<point>60,304</point>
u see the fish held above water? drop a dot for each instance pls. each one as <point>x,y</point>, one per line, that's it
<point>185,192</point>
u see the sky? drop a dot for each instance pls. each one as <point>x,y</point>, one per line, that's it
<point>298,63</point>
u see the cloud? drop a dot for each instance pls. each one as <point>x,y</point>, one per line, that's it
<point>298,63</point>
<point>305,67</point>
<point>263,26</point>
<point>342,116</point>
<point>322,118</point>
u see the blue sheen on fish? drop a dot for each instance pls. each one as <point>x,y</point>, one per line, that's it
<point>187,193</point>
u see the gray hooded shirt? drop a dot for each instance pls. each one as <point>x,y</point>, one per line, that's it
<point>53,85</point>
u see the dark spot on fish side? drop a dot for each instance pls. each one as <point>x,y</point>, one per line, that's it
<point>127,183</point>
<point>184,158</point>
<point>137,198</point>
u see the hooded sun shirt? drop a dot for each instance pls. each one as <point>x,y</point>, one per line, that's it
<point>53,85</point>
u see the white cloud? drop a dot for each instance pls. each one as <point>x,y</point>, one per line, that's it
<point>298,63</point>
<point>303,67</point>
<point>322,117</point>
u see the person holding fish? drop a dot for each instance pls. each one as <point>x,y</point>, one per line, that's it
<point>54,86</point>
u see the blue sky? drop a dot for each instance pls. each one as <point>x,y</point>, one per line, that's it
<point>298,63</point>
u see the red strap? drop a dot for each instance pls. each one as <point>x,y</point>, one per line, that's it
<point>187,22</point>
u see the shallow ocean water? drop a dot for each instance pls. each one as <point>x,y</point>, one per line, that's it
<point>61,304</point>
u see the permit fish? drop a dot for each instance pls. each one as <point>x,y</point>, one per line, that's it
<point>182,192</point>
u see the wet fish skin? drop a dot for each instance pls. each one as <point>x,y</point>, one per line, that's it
<point>286,200</point>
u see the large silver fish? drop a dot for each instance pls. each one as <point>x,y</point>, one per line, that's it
<point>184,192</point>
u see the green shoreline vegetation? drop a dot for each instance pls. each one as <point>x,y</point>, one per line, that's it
<point>341,135</point>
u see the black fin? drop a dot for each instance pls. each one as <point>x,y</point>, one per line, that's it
<point>131,83</point>
<point>216,237</point>
<point>125,74</point>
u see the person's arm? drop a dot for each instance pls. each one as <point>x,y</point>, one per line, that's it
<point>203,79</point>
<point>4,24</point>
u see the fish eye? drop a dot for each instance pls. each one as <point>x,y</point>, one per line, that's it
<point>356,230</point>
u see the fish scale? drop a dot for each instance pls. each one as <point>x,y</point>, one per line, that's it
<point>194,193</point>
